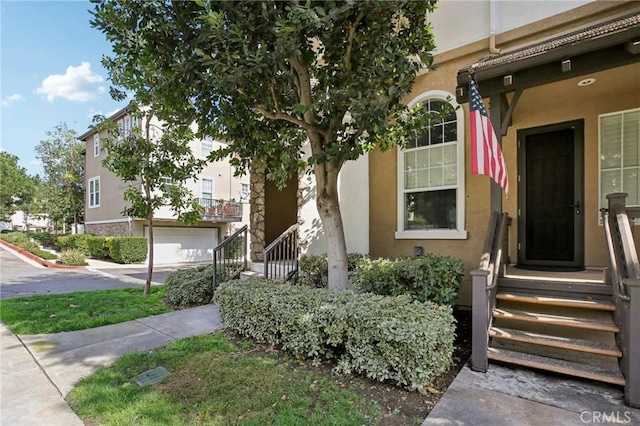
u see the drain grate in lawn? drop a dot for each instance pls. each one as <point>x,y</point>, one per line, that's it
<point>151,377</point>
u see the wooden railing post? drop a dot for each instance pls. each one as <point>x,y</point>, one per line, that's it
<point>632,343</point>
<point>480,320</point>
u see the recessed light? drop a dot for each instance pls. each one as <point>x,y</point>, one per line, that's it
<point>586,82</point>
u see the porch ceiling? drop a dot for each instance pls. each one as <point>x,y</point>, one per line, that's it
<point>603,46</point>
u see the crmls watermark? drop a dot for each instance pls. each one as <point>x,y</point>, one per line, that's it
<point>606,417</point>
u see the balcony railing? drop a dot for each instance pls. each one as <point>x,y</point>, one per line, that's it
<point>221,210</point>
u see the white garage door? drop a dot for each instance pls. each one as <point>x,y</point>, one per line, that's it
<point>177,245</point>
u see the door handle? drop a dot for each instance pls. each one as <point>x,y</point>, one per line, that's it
<point>576,206</point>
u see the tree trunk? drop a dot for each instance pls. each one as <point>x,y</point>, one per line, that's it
<point>329,211</point>
<point>147,285</point>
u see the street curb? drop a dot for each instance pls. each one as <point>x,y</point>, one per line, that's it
<point>37,259</point>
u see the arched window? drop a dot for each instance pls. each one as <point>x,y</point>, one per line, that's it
<point>431,176</point>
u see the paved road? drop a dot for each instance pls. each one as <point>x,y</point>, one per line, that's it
<point>21,278</point>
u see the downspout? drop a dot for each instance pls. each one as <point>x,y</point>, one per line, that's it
<point>492,27</point>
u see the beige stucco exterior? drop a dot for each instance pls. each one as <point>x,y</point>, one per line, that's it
<point>107,217</point>
<point>614,90</point>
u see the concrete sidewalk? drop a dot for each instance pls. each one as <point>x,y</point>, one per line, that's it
<point>37,371</point>
<point>506,396</point>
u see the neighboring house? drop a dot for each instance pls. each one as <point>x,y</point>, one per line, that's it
<point>221,195</point>
<point>21,222</point>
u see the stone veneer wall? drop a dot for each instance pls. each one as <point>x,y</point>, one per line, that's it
<point>113,229</point>
<point>256,214</point>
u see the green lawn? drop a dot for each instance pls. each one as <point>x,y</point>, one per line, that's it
<point>80,310</point>
<point>213,382</point>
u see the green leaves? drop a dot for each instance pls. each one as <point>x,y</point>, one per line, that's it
<point>384,338</point>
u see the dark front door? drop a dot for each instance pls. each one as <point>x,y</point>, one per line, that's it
<point>551,225</point>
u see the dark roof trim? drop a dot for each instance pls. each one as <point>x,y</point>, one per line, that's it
<point>595,48</point>
<point>116,115</point>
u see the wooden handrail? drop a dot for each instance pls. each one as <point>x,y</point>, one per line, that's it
<point>484,283</point>
<point>625,274</point>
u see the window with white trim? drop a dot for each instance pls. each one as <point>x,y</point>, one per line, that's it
<point>167,183</point>
<point>120,129</point>
<point>431,175</point>
<point>207,189</point>
<point>96,145</point>
<point>127,126</point>
<point>619,135</point>
<point>206,147</point>
<point>94,192</point>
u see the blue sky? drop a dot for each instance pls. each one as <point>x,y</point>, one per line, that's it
<point>50,73</point>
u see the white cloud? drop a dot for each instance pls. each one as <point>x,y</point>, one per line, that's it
<point>12,99</point>
<point>78,84</point>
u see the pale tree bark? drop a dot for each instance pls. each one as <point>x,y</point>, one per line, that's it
<point>329,211</point>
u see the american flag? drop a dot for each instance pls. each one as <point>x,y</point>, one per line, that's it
<point>486,155</point>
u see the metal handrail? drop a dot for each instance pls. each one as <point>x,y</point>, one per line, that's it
<point>230,257</point>
<point>221,209</point>
<point>281,256</point>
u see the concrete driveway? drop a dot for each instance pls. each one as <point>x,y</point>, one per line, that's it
<point>22,277</point>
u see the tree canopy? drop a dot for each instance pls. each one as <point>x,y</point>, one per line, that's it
<point>269,77</point>
<point>62,157</point>
<point>16,186</point>
<point>155,163</point>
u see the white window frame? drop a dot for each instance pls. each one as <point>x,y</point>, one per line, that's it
<point>206,140</point>
<point>120,124</point>
<point>600,154</point>
<point>91,192</point>
<point>127,126</point>
<point>436,234</point>
<point>96,145</point>
<point>208,179</point>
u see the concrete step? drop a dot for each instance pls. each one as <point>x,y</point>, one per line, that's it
<point>559,320</point>
<point>583,303</point>
<point>588,346</point>
<point>558,366</point>
<point>248,275</point>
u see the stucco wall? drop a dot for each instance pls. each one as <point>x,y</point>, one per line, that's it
<point>614,90</point>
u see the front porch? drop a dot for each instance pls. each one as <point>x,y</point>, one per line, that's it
<point>583,323</point>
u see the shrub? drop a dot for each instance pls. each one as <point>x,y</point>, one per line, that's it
<point>314,269</point>
<point>426,278</point>
<point>97,246</point>
<point>190,287</point>
<point>45,254</point>
<point>384,338</point>
<point>20,239</point>
<point>75,242</point>
<point>72,257</point>
<point>44,238</point>
<point>128,249</point>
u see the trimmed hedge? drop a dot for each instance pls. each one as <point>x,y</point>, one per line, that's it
<point>314,269</point>
<point>44,238</point>
<point>384,338</point>
<point>97,246</point>
<point>425,278</point>
<point>75,242</point>
<point>190,287</point>
<point>128,249</point>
